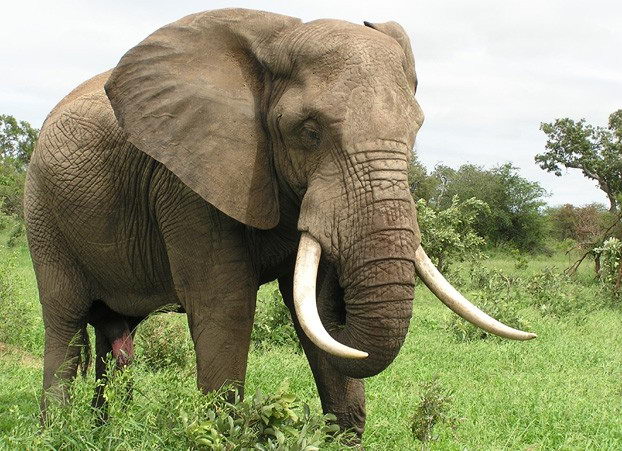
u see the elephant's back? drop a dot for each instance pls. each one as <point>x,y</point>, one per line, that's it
<point>79,136</point>
<point>93,85</point>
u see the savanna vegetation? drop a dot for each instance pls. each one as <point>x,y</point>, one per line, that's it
<point>451,387</point>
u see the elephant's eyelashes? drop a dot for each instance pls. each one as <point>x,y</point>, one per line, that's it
<point>310,135</point>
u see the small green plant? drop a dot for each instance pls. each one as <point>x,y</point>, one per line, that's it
<point>273,324</point>
<point>521,262</point>
<point>433,409</point>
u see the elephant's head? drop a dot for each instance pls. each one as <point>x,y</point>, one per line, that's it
<point>247,106</point>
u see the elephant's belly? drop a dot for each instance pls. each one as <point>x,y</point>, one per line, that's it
<point>129,279</point>
<point>140,304</point>
<point>124,260</point>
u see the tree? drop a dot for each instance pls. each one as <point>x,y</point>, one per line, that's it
<point>596,151</point>
<point>422,185</point>
<point>17,141</point>
<point>514,202</point>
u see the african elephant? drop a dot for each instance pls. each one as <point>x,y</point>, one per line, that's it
<point>226,150</point>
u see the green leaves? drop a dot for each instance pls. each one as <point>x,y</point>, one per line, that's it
<point>17,141</point>
<point>276,421</point>
<point>448,235</point>
<point>433,409</point>
<point>596,151</point>
<point>610,254</point>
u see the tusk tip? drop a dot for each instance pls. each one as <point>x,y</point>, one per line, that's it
<point>523,336</point>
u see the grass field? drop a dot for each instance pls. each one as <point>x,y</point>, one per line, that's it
<point>560,391</point>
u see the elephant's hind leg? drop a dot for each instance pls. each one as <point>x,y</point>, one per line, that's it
<point>65,302</point>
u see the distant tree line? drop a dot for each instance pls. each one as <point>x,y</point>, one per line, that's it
<point>17,141</point>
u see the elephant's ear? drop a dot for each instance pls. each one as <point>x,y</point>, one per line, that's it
<point>398,33</point>
<point>190,96</point>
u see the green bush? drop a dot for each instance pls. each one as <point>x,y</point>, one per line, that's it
<point>610,254</point>
<point>497,294</point>
<point>263,422</point>
<point>168,412</point>
<point>273,324</point>
<point>505,297</point>
<point>448,235</point>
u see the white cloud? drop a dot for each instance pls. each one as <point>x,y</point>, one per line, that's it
<point>489,71</point>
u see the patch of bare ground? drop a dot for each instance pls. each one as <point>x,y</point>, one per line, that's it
<point>25,358</point>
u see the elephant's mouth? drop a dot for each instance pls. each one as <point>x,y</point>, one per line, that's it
<point>305,276</point>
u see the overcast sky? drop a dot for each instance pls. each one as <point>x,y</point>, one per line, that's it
<point>489,71</point>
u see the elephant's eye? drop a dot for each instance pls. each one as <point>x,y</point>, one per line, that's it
<point>310,134</point>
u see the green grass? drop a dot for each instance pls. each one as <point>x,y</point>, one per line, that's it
<point>560,391</point>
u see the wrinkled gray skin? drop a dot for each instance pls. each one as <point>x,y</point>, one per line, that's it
<point>186,174</point>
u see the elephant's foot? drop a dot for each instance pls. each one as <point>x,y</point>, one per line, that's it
<point>352,421</point>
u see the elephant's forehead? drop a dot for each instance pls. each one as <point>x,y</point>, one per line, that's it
<point>344,43</point>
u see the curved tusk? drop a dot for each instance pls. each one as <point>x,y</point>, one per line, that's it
<point>443,290</point>
<point>305,276</point>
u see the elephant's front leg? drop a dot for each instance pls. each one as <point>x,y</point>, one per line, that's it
<point>340,395</point>
<point>215,283</point>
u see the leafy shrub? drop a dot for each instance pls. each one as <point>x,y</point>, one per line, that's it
<point>611,263</point>
<point>273,323</point>
<point>554,293</point>
<point>13,225</point>
<point>506,297</point>
<point>448,235</point>
<point>433,409</point>
<point>263,422</point>
<point>169,401</point>
<point>497,294</point>
<point>163,341</point>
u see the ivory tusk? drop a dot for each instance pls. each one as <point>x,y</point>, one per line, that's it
<point>305,277</point>
<point>443,290</point>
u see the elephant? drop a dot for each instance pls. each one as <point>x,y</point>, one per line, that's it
<point>229,149</point>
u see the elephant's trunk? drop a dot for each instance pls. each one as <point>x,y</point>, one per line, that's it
<point>378,293</point>
<point>378,304</point>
